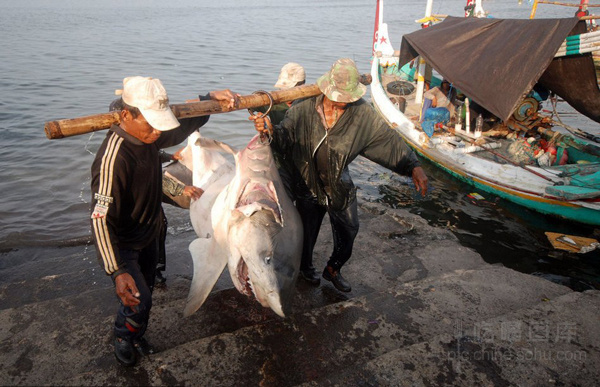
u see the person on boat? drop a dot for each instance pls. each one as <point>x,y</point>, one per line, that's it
<point>442,96</point>
<point>126,186</point>
<point>321,136</point>
<point>437,106</point>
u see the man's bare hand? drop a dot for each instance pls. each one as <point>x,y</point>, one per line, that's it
<point>177,155</point>
<point>193,192</point>
<point>420,180</point>
<point>127,290</point>
<point>259,124</point>
<point>232,99</point>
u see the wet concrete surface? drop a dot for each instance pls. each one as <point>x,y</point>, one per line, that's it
<point>423,311</point>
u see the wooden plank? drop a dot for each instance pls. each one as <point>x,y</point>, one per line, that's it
<point>572,243</point>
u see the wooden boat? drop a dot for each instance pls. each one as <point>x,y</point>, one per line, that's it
<point>504,156</point>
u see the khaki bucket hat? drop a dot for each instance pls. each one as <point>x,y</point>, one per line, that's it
<point>342,82</point>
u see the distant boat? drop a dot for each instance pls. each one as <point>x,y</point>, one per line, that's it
<point>500,143</point>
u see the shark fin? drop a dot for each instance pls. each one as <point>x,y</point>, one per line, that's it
<point>215,145</point>
<point>208,266</point>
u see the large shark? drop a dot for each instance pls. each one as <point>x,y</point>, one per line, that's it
<point>244,220</point>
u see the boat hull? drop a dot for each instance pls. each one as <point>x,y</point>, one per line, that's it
<point>510,182</point>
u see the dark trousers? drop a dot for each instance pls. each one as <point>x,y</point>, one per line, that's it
<point>161,264</point>
<point>344,225</point>
<point>141,265</point>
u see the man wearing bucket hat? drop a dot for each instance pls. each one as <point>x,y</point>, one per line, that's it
<point>320,137</point>
<point>126,202</point>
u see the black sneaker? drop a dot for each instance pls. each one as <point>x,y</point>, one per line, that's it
<point>125,352</point>
<point>143,347</point>
<point>310,275</point>
<point>336,279</point>
<point>159,278</point>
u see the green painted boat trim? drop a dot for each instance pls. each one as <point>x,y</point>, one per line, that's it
<point>572,192</point>
<point>543,205</point>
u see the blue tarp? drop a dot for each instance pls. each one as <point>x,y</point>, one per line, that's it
<point>433,116</point>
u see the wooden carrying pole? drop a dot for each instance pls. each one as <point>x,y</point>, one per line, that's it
<point>82,125</point>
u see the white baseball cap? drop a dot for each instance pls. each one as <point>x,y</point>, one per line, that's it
<point>291,73</point>
<point>150,97</point>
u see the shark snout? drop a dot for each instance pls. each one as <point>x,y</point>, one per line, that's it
<point>268,287</point>
<point>274,302</point>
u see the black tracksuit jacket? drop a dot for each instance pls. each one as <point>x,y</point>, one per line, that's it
<point>127,191</point>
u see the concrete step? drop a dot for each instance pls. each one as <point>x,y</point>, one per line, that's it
<point>48,340</point>
<point>552,343</point>
<point>308,345</point>
<point>72,333</point>
<point>45,342</point>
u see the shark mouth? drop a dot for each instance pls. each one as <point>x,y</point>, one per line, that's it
<point>245,283</point>
<point>256,197</point>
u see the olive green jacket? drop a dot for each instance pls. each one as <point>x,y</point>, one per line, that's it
<point>359,131</point>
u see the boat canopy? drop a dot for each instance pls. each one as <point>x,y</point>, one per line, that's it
<point>496,62</point>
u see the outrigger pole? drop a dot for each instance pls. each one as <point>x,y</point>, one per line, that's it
<point>580,44</point>
<point>583,6</point>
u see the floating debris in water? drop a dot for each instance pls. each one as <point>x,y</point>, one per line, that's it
<point>572,243</point>
<point>480,200</point>
<point>476,196</point>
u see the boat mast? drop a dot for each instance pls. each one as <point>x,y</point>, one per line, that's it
<point>479,12</point>
<point>378,21</point>
<point>474,8</point>
<point>422,65</point>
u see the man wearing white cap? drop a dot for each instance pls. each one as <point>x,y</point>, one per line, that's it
<point>320,137</point>
<point>291,75</point>
<point>126,202</point>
